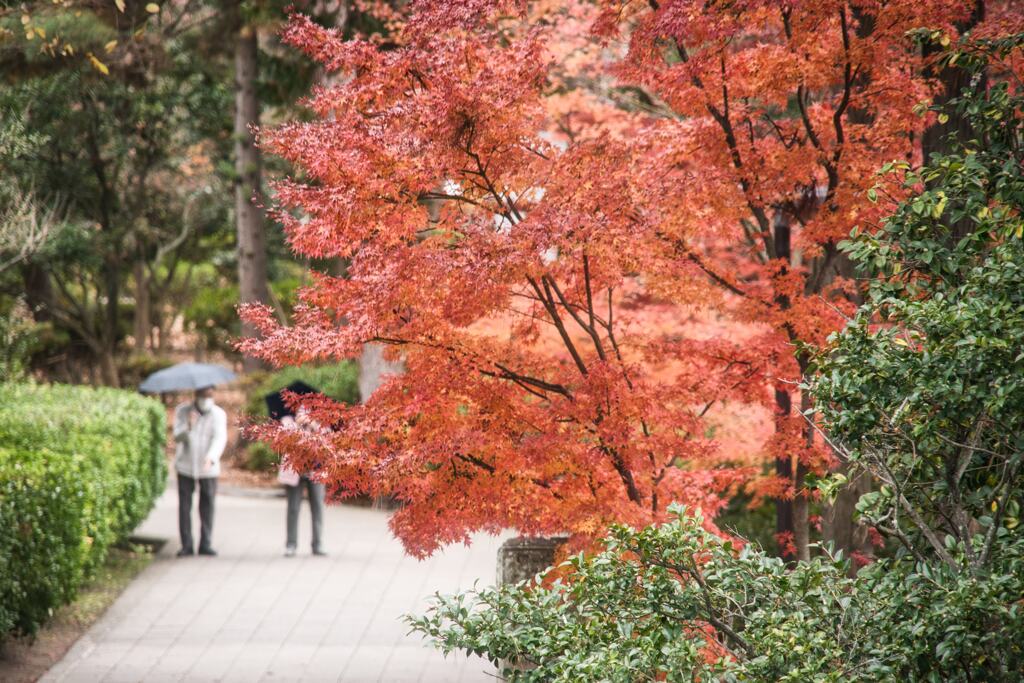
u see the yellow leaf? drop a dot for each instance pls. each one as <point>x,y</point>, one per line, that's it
<point>944,41</point>
<point>1020,231</point>
<point>152,8</point>
<point>41,33</point>
<point>25,19</point>
<point>120,5</point>
<point>109,47</point>
<point>29,35</point>
<point>943,118</point>
<point>98,65</point>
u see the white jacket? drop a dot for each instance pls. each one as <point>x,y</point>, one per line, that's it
<point>200,444</point>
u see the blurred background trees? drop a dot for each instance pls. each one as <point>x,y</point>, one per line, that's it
<point>128,230</point>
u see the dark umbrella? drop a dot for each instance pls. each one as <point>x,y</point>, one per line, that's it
<point>277,408</point>
<point>185,377</point>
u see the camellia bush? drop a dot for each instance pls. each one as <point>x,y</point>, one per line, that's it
<point>675,602</point>
<point>923,391</point>
<point>79,469</point>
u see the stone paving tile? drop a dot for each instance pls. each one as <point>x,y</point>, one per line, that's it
<point>253,615</point>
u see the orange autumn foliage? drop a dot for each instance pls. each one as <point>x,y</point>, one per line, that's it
<point>563,216</point>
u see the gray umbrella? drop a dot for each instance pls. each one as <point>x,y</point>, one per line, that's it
<point>186,376</point>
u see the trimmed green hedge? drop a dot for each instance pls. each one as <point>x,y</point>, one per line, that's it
<point>79,469</point>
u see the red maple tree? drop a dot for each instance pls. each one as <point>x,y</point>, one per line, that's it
<point>594,232</point>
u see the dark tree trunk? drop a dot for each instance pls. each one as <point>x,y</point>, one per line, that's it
<point>108,369</point>
<point>801,502</point>
<point>790,514</point>
<point>783,470</point>
<point>941,138</point>
<point>38,291</point>
<point>837,520</point>
<point>249,216</point>
<point>108,337</point>
<point>953,79</point>
<point>142,323</point>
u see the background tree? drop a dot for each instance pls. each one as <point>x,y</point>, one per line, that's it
<point>163,129</point>
<point>249,214</point>
<point>130,195</point>
<point>926,403</point>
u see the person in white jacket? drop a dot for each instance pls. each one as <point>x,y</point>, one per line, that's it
<point>201,433</point>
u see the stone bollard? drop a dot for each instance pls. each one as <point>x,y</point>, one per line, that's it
<point>520,559</point>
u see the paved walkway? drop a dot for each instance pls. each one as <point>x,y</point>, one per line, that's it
<point>253,615</point>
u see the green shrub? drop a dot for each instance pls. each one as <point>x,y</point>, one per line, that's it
<point>675,602</point>
<point>19,339</point>
<point>79,469</point>
<point>259,457</point>
<point>137,367</point>
<point>339,381</point>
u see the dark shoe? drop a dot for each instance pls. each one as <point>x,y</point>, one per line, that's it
<point>208,551</point>
<point>185,552</point>
<point>319,552</point>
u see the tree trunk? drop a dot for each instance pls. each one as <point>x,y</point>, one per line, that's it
<point>953,79</point>
<point>373,368</point>
<point>789,513</point>
<point>783,470</point>
<point>837,521</point>
<point>801,516</point>
<point>249,217</point>
<point>38,291</point>
<point>163,333</point>
<point>108,336</point>
<point>801,502</point>
<point>142,324</point>
<point>940,138</point>
<point>108,368</point>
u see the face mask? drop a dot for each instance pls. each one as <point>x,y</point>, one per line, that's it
<point>204,405</point>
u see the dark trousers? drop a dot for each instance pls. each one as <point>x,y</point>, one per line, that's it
<point>207,491</point>
<point>316,509</point>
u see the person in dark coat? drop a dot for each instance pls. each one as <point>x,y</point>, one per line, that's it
<point>294,481</point>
